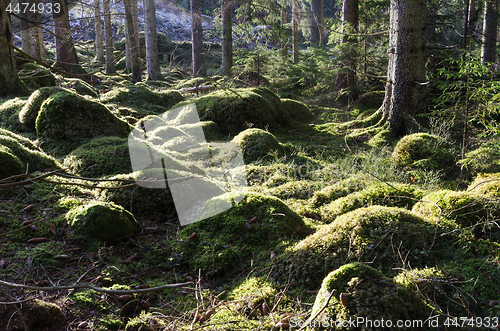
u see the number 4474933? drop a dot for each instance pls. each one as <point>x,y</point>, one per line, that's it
<point>472,322</point>
<point>26,7</point>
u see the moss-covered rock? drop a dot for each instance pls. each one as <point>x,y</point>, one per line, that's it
<point>340,189</point>
<point>425,151</point>
<point>300,189</point>
<point>30,110</point>
<point>370,100</point>
<point>25,151</point>
<point>145,322</point>
<point>42,314</point>
<point>297,110</point>
<point>143,97</point>
<point>283,118</point>
<point>485,158</point>
<point>80,87</point>
<point>102,221</point>
<point>35,76</point>
<point>210,129</point>
<point>362,292</point>
<point>487,185</point>
<point>99,157</point>
<point>9,164</point>
<point>252,294</point>
<point>247,231</point>
<point>376,234</point>
<point>257,144</point>
<point>67,116</point>
<point>9,114</point>
<point>390,195</point>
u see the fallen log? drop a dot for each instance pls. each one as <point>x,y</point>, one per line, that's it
<point>198,89</point>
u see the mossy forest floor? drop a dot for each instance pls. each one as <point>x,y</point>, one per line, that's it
<point>340,220</point>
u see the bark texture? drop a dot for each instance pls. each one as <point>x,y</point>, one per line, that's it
<point>295,30</point>
<point>36,34</point>
<point>227,38</point>
<point>9,82</point>
<point>98,31</point>
<point>317,22</point>
<point>199,69</point>
<point>490,30</point>
<point>66,57</point>
<point>350,25</point>
<point>108,33</point>
<point>152,60</point>
<point>25,32</point>
<point>133,40</point>
<point>404,93</point>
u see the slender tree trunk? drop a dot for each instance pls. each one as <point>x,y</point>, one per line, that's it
<point>317,22</point>
<point>199,69</point>
<point>25,31</point>
<point>350,25</point>
<point>406,79</point>
<point>152,60</point>
<point>284,43</point>
<point>98,31</point>
<point>472,12</point>
<point>490,30</point>
<point>36,33</point>
<point>135,18</point>
<point>227,38</point>
<point>132,36</point>
<point>295,30</point>
<point>108,33</point>
<point>9,81</point>
<point>465,39</point>
<point>66,57</point>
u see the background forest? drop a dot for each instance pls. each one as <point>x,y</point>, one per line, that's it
<point>370,141</point>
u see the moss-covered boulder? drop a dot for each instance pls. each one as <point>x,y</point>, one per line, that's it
<point>80,87</point>
<point>370,100</point>
<point>257,144</point>
<point>42,313</point>
<point>253,294</point>
<point>103,221</point>
<point>26,152</point>
<point>30,110</point>
<point>340,189</point>
<point>99,157</point>
<point>487,185</point>
<point>297,110</point>
<point>425,151</point>
<point>141,96</point>
<point>237,109</point>
<point>9,114</point>
<point>35,76</point>
<point>384,194</point>
<point>485,158</point>
<point>376,234</point>
<point>67,116</point>
<point>9,163</point>
<point>299,189</point>
<point>362,292</point>
<point>247,231</point>
<point>210,130</point>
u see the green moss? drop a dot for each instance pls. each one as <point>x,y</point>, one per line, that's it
<point>145,322</point>
<point>392,195</point>
<point>487,185</point>
<point>366,294</point>
<point>230,236</point>
<point>103,221</point>
<point>370,100</point>
<point>252,293</point>
<point>192,82</point>
<point>485,158</point>
<point>340,189</point>
<point>283,118</point>
<point>374,234</point>
<point>99,157</point>
<point>26,152</point>
<point>425,151</point>
<point>301,189</point>
<point>80,87</point>
<point>42,314</point>
<point>257,144</point>
<point>9,114</point>
<point>67,116</point>
<point>30,110</point>
<point>297,110</point>
<point>143,97</point>
<point>210,129</point>
<point>35,75</point>
<point>9,164</point>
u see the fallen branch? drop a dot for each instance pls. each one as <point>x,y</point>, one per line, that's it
<point>197,89</point>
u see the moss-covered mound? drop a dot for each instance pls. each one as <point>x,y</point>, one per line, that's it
<point>297,110</point>
<point>35,76</point>
<point>143,97</point>
<point>485,158</point>
<point>300,189</point>
<point>247,231</point>
<point>370,100</point>
<point>252,294</point>
<point>390,195</point>
<point>80,87</point>
<point>42,314</point>
<point>235,110</point>
<point>362,292</point>
<point>379,235</point>
<point>425,151</point>
<point>257,144</point>
<point>9,114</point>
<point>210,129</point>
<point>340,189</point>
<point>30,110</point>
<point>25,151</point>
<point>101,156</point>
<point>102,221</point>
<point>487,185</point>
<point>67,116</point>
<point>9,163</point>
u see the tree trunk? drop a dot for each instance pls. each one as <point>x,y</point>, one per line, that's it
<point>25,31</point>
<point>199,69</point>
<point>36,32</point>
<point>227,38</point>
<point>98,31</point>
<point>465,39</point>
<point>350,25</point>
<point>108,33</point>
<point>490,30</point>
<point>152,59</point>
<point>66,57</point>
<point>295,30</point>
<point>9,81</point>
<point>317,22</point>
<point>133,37</point>
<point>284,43</point>
<point>405,88</point>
